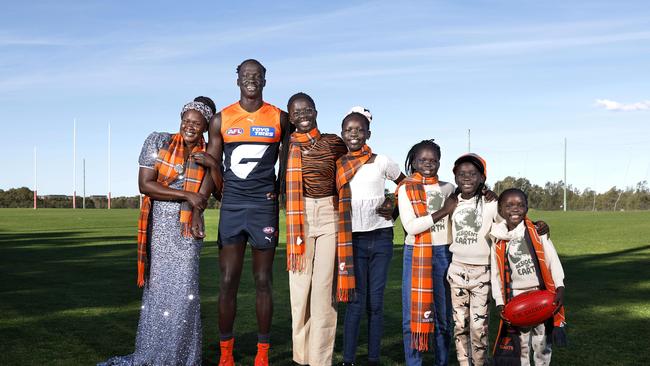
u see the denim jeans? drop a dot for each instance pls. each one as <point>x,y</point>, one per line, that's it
<point>443,321</point>
<point>372,253</point>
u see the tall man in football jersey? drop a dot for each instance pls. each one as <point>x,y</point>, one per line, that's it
<point>247,134</point>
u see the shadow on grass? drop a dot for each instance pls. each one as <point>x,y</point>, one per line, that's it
<point>245,325</point>
<point>58,239</point>
<point>55,271</point>
<point>607,307</point>
<point>39,236</point>
<point>74,298</point>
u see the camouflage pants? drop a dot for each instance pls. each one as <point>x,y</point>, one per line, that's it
<point>470,289</point>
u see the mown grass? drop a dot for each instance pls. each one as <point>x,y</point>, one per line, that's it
<point>68,294</point>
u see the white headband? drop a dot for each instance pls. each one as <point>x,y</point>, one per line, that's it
<point>361,110</point>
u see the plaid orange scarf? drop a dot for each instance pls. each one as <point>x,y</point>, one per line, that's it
<point>346,167</point>
<point>421,268</point>
<point>295,203</point>
<point>168,165</point>
<point>504,270</point>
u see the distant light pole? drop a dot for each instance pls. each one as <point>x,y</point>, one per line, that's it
<point>565,174</point>
<point>35,180</point>
<point>109,166</point>
<point>593,208</point>
<point>74,164</point>
<point>84,179</point>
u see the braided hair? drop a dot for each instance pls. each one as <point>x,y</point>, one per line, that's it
<point>410,157</point>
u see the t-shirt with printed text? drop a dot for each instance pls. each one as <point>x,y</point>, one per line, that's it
<point>471,223</point>
<point>436,196</point>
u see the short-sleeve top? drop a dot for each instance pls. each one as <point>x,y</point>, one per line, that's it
<point>367,187</point>
<point>149,153</point>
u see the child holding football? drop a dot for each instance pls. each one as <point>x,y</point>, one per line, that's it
<point>523,261</point>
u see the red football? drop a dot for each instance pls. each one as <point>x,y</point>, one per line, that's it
<point>530,308</point>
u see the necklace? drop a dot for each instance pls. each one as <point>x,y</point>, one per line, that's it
<point>308,149</point>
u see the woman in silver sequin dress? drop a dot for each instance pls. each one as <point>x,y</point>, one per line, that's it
<point>169,331</point>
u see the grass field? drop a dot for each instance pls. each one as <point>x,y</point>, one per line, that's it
<point>68,294</point>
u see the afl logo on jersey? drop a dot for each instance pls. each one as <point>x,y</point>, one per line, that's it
<point>262,131</point>
<point>234,131</point>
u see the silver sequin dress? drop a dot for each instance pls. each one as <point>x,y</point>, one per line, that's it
<point>169,331</point>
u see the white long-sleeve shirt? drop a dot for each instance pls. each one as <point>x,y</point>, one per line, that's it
<point>436,196</point>
<point>522,268</point>
<point>471,224</point>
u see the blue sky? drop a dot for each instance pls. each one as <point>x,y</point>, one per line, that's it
<point>522,75</point>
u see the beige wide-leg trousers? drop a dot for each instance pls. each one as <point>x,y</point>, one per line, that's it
<point>313,313</point>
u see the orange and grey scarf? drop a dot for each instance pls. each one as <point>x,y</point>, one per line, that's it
<point>169,165</point>
<point>295,202</point>
<point>422,309</point>
<point>506,281</point>
<point>346,167</point>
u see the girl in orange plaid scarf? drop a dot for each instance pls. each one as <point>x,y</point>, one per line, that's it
<point>169,331</point>
<point>365,233</point>
<point>425,204</point>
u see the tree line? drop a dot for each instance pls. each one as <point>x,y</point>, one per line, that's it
<point>551,196</point>
<point>547,197</point>
<point>24,197</point>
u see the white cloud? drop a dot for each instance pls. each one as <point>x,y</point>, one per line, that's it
<point>611,105</point>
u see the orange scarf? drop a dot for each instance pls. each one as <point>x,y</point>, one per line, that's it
<point>295,202</point>
<point>422,308</point>
<point>547,278</point>
<point>346,167</point>
<point>168,164</point>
